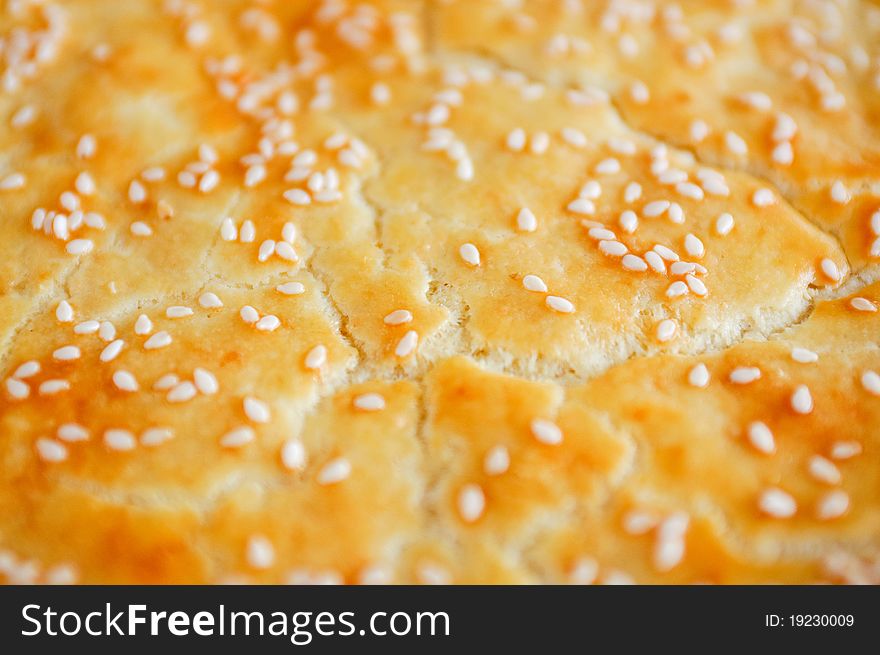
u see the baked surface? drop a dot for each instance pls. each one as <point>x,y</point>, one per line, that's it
<point>470,291</point>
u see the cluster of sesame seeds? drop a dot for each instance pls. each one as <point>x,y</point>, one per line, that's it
<point>20,570</point>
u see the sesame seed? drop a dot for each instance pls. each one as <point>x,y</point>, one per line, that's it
<point>80,246</point>
<point>209,300</point>
<point>839,193</point>
<point>871,382</point>
<point>407,344</point>
<point>398,317</point>
<point>639,92</point>
<point>86,147</point>
<point>612,248</point>
<point>228,231</point>
<point>27,369</point>
<point>209,181</point>
<point>50,450</point>
<point>85,183</point>
<point>125,381</point>
<point>291,288</point>
<point>297,197</point>
<point>316,357</point>
<point>380,94</point>
<point>863,305</point>
<point>539,143</point>
<point>699,130</point>
<point>785,128</point>
<point>608,166</point>
<point>547,432</point>
<point>120,440</point>
<point>107,331</point>
<point>830,269</point>
<point>269,323</point>
<point>51,387</point>
<point>655,208</point>
<point>369,402</point>
<point>574,137</point>
<point>875,222</point>
<point>471,502</point>
<point>526,221</point>
<point>72,432</point>
<point>745,374</point>
<point>516,140</point>
<point>802,400</point>
<point>178,311</point>
<point>111,350</point>
<point>286,251</point>
<point>64,312</point>
<point>694,246</point>
<point>336,470</point>
<point>698,376</point>
<point>559,304</point>
<point>783,154</point>
<point>582,206</point>
<point>143,325</point>
<point>469,254</point>
<point>17,389</point>
<point>205,381</point>
<point>584,572</point>
<point>696,285</point>
<point>267,249</point>
<point>156,436</point>
<point>763,198</point>
<point>288,232</point>
<point>158,340</point>
<point>669,547</point>
<point>249,315</point>
<point>66,354</point>
<point>724,224</point>
<point>634,263</point>
<point>761,437</point>
<point>804,356</point>
<point>238,437</point>
<point>600,233</point>
<point>256,410</point>
<point>677,289</point>
<point>137,193</point>
<point>832,505</point>
<point>182,392</point>
<point>12,181</point>
<point>632,192</point>
<point>638,522</point>
<point>823,470</point>
<point>735,144</point>
<point>496,461</point>
<point>655,261</point>
<point>141,229</point>
<point>845,449</point>
<point>166,382</point>
<point>260,553</point>
<point>777,503</point>
<point>666,330</point>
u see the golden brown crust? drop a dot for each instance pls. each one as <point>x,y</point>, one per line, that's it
<point>438,292</point>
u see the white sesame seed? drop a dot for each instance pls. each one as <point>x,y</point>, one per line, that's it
<point>666,330</point>
<point>694,246</point>
<point>584,571</point>
<point>516,140</point>
<point>547,432</point>
<point>209,300</point>
<point>526,221</point>
<point>205,381</point>
<point>839,193</point>
<point>600,233</point>
<point>291,288</point>
<point>249,315</point>
<point>286,251</point>
<point>735,144</point>
<point>745,374</point>
<point>125,381</point>
<point>608,166</point>
<point>863,305</point>
<point>380,94</point>
<point>166,382</point>
<point>72,432</point>
<point>699,130</point>
<point>655,208</point>
<point>85,183</point>
<point>785,128</point>
<point>50,450</point>
<point>143,325</point>
<point>875,222</point>
<point>632,192</point>
<point>316,357</point>
<point>612,248</point>
<point>802,400</point>
<point>698,376</point>
<point>783,153</point>
<point>86,147</point>
<point>582,206</point>
<point>634,263</point>
<point>17,389</point>
<point>823,470</point>
<point>803,355</point>
<point>845,449</point>
<point>267,249</point>
<point>832,505</point>
<point>638,522</point>
<point>334,471</point>
<point>228,231</point>
<point>260,552</point>
<point>66,354</point>
<point>777,503</point>
<point>471,502</point>
<point>209,181</point>
<point>182,392</point>
<point>407,344</point>
<point>256,410</point>
<point>696,285</point>
<point>137,193</point>
<point>80,246</point>
<point>761,437</point>
<point>763,198</point>
<point>121,440</point>
<point>369,402</point>
<point>107,331</point>
<point>51,387</point>
<point>559,304</point>
<point>293,455</point>
<point>269,323</point>
<point>669,546</point>
<point>178,311</point>
<point>27,369</point>
<point>628,221</point>
<point>152,437</point>
<point>655,261</point>
<point>724,224</point>
<point>238,437</point>
<point>158,340</point>
<point>153,174</point>
<point>871,382</point>
<point>297,197</point>
<point>639,92</point>
<point>64,312</point>
<point>496,461</point>
<point>574,137</point>
<point>111,350</point>
<point>830,269</point>
<point>398,317</point>
<point>140,229</point>
<point>12,181</point>
<point>676,289</point>
<point>469,254</point>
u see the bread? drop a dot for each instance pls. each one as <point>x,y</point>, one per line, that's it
<point>467,291</point>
